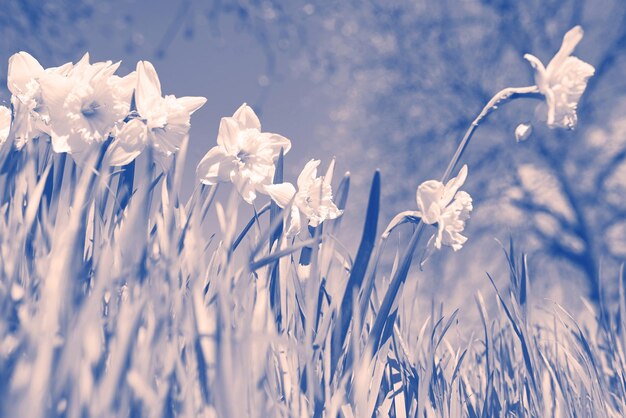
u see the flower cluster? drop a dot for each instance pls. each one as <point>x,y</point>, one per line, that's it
<point>81,106</point>
<point>246,157</point>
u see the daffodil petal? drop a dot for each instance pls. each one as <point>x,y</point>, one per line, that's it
<point>295,222</point>
<point>282,193</point>
<point>107,70</point>
<point>551,104</point>
<point>22,68</point>
<point>148,87</point>
<point>247,118</point>
<point>429,193</point>
<point>439,235</point>
<point>82,63</point>
<point>5,123</point>
<point>130,141</point>
<point>191,103</point>
<point>276,142</point>
<point>541,75</point>
<point>61,69</point>
<point>453,186</point>
<point>216,166</point>
<point>308,174</point>
<point>333,211</point>
<point>227,134</point>
<point>246,189</point>
<point>571,39</point>
<point>125,86</point>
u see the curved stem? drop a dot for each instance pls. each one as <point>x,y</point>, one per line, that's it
<point>391,297</point>
<point>501,97</point>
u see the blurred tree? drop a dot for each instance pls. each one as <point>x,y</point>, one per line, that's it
<point>45,29</point>
<point>414,74</point>
<point>57,31</point>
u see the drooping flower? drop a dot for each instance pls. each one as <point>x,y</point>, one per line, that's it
<point>563,81</point>
<point>30,114</point>
<point>446,206</point>
<point>313,200</point>
<point>244,155</point>
<point>161,122</point>
<point>5,123</point>
<point>85,104</point>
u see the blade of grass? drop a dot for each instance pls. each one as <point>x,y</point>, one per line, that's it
<point>359,268</point>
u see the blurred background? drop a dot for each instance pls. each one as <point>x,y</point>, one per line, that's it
<point>393,85</point>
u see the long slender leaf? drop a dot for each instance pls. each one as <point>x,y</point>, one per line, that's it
<point>359,269</point>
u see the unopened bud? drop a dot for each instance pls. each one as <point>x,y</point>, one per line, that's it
<point>523,131</point>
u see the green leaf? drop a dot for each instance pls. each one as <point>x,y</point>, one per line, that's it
<point>355,280</point>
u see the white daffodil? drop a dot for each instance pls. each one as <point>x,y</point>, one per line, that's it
<point>447,207</point>
<point>313,200</point>
<point>244,155</point>
<point>563,81</point>
<point>5,123</point>
<point>161,122</point>
<point>85,105</point>
<point>30,115</point>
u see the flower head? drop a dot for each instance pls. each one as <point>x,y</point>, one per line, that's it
<point>563,81</point>
<point>446,206</point>
<point>160,122</point>
<point>85,104</point>
<point>30,113</point>
<point>313,200</point>
<point>244,155</point>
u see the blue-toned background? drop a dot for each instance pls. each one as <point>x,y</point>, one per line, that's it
<point>393,85</point>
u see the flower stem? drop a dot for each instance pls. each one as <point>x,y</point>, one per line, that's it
<point>391,297</point>
<point>503,96</point>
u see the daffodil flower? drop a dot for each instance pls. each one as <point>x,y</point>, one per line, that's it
<point>446,206</point>
<point>160,122</point>
<point>443,205</point>
<point>313,200</point>
<point>30,115</point>
<point>244,155</point>
<point>85,104</point>
<point>563,81</point>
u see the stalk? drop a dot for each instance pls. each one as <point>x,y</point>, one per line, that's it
<point>391,298</point>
